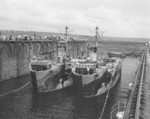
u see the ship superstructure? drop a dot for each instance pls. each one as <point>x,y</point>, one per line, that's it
<point>90,73</point>
<point>50,75</point>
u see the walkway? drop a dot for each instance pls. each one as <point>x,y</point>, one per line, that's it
<point>147,89</point>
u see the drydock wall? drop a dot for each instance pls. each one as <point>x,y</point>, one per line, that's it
<point>15,56</point>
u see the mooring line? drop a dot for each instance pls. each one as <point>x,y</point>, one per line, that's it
<point>15,89</point>
<point>105,103</point>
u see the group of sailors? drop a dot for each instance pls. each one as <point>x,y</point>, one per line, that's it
<point>102,88</point>
<point>113,65</point>
<point>64,83</point>
<point>11,37</point>
<point>18,38</point>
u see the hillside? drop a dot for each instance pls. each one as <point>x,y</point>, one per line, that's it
<point>78,37</point>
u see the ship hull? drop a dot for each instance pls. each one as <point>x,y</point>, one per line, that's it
<point>116,77</point>
<point>104,99</point>
<point>90,90</point>
<point>113,54</point>
<point>14,84</point>
<point>86,85</point>
<point>129,53</point>
<point>44,81</point>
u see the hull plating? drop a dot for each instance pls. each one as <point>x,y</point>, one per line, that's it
<point>86,84</point>
<point>90,89</point>
<point>115,80</point>
<point>44,81</point>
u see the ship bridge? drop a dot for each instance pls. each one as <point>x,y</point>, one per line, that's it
<point>86,65</point>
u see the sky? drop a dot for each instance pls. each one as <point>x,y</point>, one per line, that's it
<point>117,18</point>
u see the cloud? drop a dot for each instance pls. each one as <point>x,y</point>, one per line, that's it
<point>80,15</point>
<point>109,19</point>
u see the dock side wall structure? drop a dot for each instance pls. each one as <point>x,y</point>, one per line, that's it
<point>15,56</point>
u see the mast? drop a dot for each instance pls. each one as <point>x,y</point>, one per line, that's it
<point>34,36</point>
<point>96,37</point>
<point>92,48</point>
<point>11,37</point>
<point>62,46</point>
<point>66,39</point>
<point>66,32</point>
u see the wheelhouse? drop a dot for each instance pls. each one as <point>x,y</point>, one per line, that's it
<point>85,69</point>
<point>40,65</point>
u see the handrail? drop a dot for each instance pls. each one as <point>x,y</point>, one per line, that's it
<point>140,89</point>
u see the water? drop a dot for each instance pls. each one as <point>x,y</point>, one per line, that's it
<point>65,104</point>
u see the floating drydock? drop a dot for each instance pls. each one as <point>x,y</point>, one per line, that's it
<point>15,57</point>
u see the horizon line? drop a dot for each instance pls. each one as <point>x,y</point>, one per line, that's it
<point>73,34</point>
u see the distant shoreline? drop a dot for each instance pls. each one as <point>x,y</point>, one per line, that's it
<point>78,37</point>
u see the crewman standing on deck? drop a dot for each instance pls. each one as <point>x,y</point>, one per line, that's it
<point>11,37</point>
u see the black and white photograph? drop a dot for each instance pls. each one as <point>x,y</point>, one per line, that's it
<point>74,59</point>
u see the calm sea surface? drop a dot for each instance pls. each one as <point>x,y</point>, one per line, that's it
<point>66,104</point>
